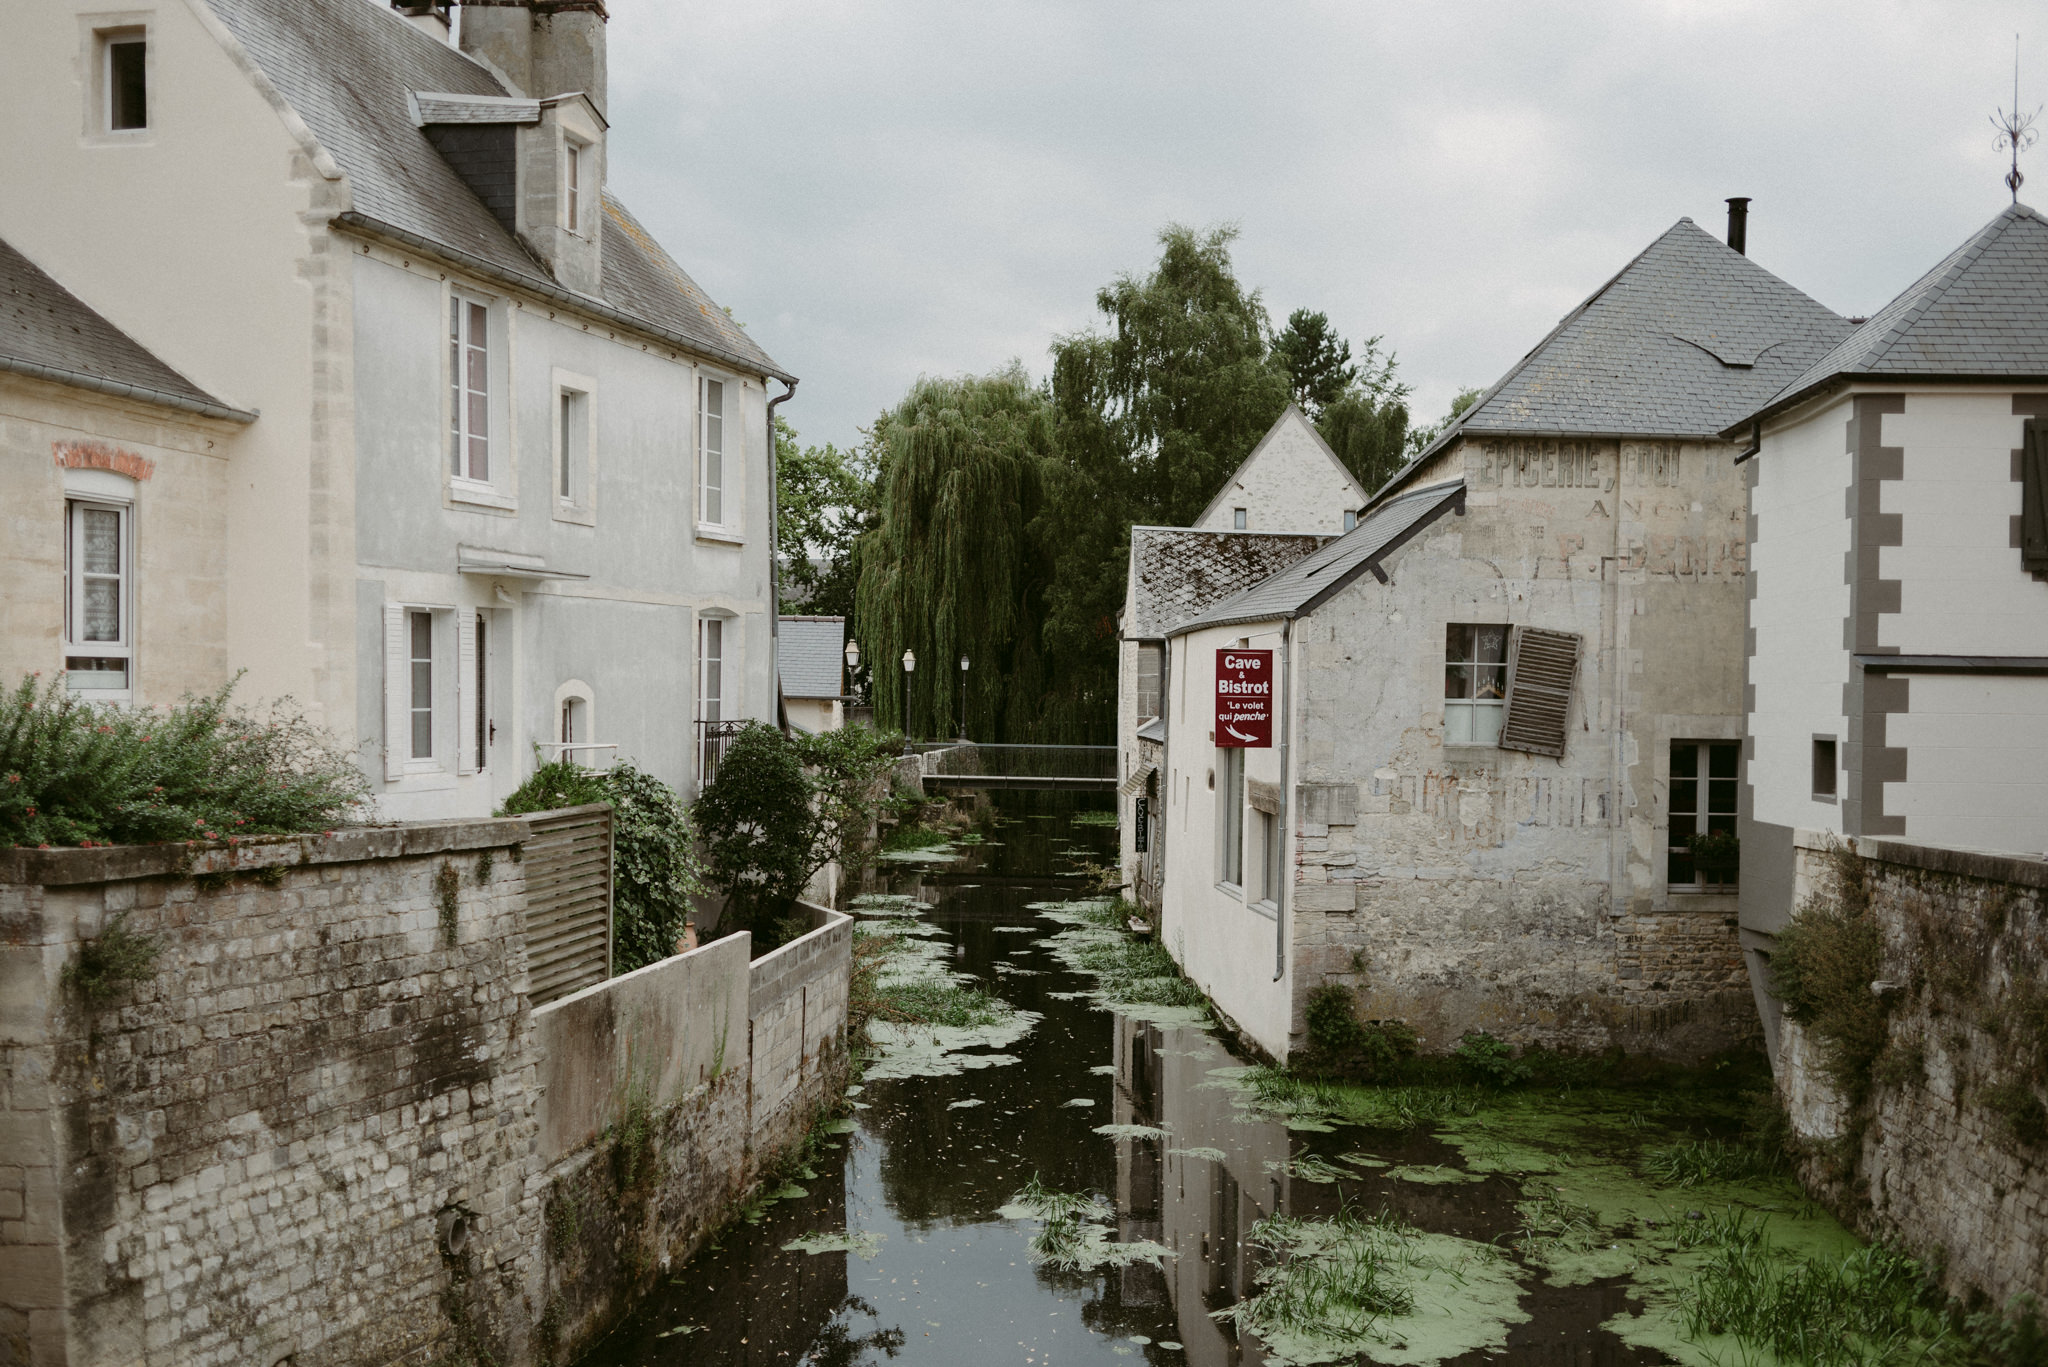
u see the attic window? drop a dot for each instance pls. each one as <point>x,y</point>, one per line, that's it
<point>575,177</point>
<point>1237,519</point>
<point>1350,518</point>
<point>124,79</point>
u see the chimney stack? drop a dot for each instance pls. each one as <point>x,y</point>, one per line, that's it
<point>568,50</point>
<point>428,16</point>
<point>1738,223</point>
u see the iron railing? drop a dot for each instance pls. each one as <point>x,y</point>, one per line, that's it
<point>714,738</point>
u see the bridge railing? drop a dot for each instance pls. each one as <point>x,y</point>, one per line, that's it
<point>1019,766</point>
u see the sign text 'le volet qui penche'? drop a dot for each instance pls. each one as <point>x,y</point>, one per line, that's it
<point>1244,699</point>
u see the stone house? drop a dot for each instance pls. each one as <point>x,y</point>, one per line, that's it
<point>1896,670</point>
<point>509,486</point>
<point>1506,705</point>
<point>1291,482</point>
<point>97,438</point>
<point>812,663</point>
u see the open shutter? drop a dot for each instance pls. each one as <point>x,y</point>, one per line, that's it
<point>1541,665</point>
<point>397,693</point>
<point>465,689</point>
<point>2034,497</point>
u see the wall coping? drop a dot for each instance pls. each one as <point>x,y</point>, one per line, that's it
<point>827,920</point>
<point>645,970</point>
<point>1996,868</point>
<point>345,845</point>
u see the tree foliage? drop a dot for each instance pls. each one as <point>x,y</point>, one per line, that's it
<point>1420,437</point>
<point>655,870</point>
<point>952,566</point>
<point>74,772</point>
<point>1316,359</point>
<point>780,808</point>
<point>825,498</point>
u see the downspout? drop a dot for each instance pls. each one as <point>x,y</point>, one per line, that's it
<point>1283,827</point>
<point>1756,442</point>
<point>775,561</point>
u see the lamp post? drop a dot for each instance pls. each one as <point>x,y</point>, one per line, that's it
<point>852,669</point>
<point>963,697</point>
<point>909,668</point>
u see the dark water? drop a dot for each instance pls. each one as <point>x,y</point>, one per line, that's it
<point>953,1282</point>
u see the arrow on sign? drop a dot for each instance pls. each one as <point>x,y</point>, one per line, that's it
<point>1239,734</point>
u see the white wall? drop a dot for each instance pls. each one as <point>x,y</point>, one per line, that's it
<point>1977,762</point>
<point>1290,483</point>
<point>1801,662</point>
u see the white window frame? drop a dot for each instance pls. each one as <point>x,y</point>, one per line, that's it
<point>1269,858</point>
<point>1472,731</point>
<point>1230,822</point>
<point>1240,520</point>
<point>458,435</point>
<point>419,622</point>
<point>573,438</point>
<point>576,159</point>
<point>1676,837</point>
<point>76,506</point>
<point>1350,519</point>
<point>712,628</point>
<point>104,33</point>
<point>714,504</point>
<point>452,694</point>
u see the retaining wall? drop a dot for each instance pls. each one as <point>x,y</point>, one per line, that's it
<point>1949,1156</point>
<point>328,1126</point>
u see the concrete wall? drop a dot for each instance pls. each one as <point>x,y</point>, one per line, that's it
<point>1467,887</point>
<point>1291,482</point>
<point>1932,1161</point>
<point>256,1152</point>
<point>181,605</point>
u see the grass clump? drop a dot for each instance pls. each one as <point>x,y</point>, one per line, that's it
<point>78,773</point>
<point>1342,1046</point>
<point>108,963</point>
<point>1074,1236</point>
<point>1336,1279</point>
<point>1869,1306</point>
<point>1695,1162</point>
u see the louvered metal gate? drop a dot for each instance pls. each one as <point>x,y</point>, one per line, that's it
<point>568,863</point>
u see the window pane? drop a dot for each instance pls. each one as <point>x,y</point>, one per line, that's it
<point>1457,681</point>
<point>1457,723</point>
<point>102,610</point>
<point>1679,871</point>
<point>1457,642</point>
<point>1684,800</point>
<point>1721,797</point>
<point>93,671</point>
<point>102,541</point>
<point>455,385</point>
<point>127,95</point>
<point>1722,759</point>
<point>714,493</point>
<point>1493,644</point>
<point>1486,721</point>
<point>1685,760</point>
<point>1490,681</point>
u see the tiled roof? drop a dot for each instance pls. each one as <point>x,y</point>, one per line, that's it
<point>1684,340</point>
<point>349,68</point>
<point>810,652</point>
<point>1982,312</point>
<point>48,331</point>
<point>1302,585</point>
<point>1178,571</point>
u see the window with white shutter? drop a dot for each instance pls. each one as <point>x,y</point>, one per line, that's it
<point>1541,667</point>
<point>2034,497</point>
<point>397,693</point>
<point>468,694</point>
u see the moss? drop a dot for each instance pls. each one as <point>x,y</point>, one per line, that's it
<point>485,862</point>
<point>213,880</point>
<point>105,965</point>
<point>447,884</point>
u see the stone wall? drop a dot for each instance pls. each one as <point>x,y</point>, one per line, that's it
<point>1949,1154</point>
<point>328,1127</point>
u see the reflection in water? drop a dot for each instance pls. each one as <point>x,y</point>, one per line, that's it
<point>951,1281</point>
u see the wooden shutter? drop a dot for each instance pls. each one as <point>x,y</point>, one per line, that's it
<point>1540,669</point>
<point>466,700</point>
<point>397,693</point>
<point>2034,497</point>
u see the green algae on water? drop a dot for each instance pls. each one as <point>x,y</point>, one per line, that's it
<point>864,1244</point>
<point>1120,1133</point>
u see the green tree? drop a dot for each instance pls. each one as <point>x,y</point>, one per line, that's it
<point>825,498</point>
<point>1419,438</point>
<point>1316,359</point>
<point>1367,425</point>
<point>952,566</point>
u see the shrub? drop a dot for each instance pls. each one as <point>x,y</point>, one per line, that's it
<point>116,958</point>
<point>1827,957</point>
<point>1486,1059</point>
<point>1340,1045</point>
<point>655,870</point>
<point>73,772</point>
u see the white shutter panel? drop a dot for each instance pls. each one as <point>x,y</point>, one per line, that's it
<point>465,689</point>
<point>1541,667</point>
<point>397,693</point>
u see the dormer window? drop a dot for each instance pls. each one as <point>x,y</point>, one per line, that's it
<point>120,84</point>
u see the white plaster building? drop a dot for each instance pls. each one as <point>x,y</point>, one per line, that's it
<point>1897,661</point>
<point>1291,482</point>
<point>1508,702</point>
<point>509,483</point>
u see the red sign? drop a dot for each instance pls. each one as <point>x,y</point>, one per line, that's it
<point>1244,699</point>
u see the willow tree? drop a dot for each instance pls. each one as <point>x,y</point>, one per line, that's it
<point>951,566</point>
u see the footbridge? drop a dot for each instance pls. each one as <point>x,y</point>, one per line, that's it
<point>947,766</point>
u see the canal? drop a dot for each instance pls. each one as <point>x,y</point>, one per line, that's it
<point>1524,1228</point>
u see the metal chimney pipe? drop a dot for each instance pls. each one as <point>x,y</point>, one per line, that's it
<point>1738,223</point>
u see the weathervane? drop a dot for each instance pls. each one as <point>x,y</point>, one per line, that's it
<point>2015,130</point>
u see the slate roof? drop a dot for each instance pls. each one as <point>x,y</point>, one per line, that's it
<point>1306,583</point>
<point>1178,571</point>
<point>47,331</point>
<point>1982,313</point>
<point>348,69</point>
<point>1681,342</point>
<point>1293,411</point>
<point>811,654</point>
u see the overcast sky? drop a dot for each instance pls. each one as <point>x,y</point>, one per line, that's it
<point>883,190</point>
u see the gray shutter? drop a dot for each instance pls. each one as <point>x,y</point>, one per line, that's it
<point>1540,669</point>
<point>397,693</point>
<point>2034,497</point>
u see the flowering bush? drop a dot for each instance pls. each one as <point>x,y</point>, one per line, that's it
<point>79,773</point>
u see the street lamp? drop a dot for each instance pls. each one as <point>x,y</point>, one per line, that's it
<point>909,668</point>
<point>963,697</point>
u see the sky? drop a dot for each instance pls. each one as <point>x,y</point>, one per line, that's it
<point>896,188</point>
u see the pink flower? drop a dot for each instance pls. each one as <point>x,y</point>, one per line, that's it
<point>43,846</point>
